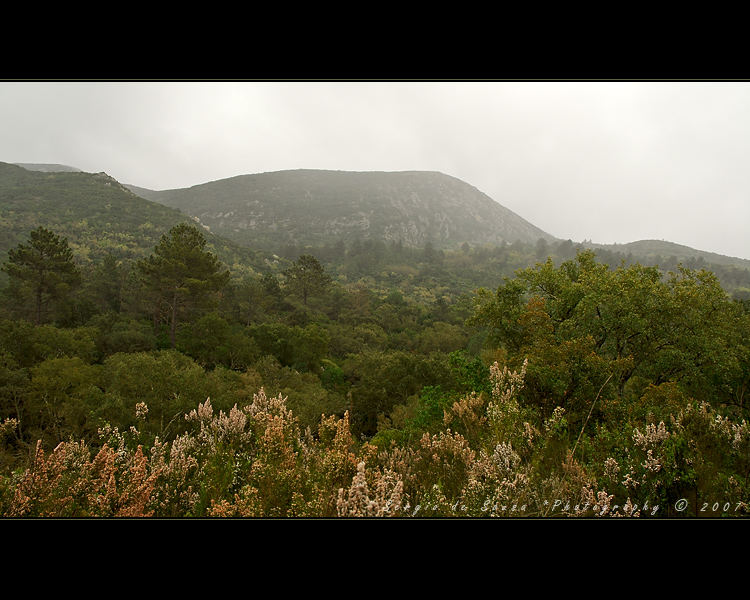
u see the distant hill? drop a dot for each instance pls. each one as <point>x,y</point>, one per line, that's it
<point>95,212</point>
<point>48,168</point>
<point>244,217</point>
<point>269,210</point>
<point>660,251</point>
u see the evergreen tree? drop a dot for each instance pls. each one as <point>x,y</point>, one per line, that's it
<point>107,284</point>
<point>181,274</point>
<point>306,276</point>
<point>41,271</point>
<point>271,286</point>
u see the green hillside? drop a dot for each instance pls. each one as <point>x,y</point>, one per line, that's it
<point>270,210</point>
<point>95,212</point>
<point>660,249</point>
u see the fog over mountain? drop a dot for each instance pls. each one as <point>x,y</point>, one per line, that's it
<point>315,207</point>
<point>48,168</point>
<point>613,162</point>
<point>318,207</point>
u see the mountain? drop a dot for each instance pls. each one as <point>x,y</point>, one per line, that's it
<point>94,211</point>
<point>269,210</point>
<point>660,249</point>
<point>251,214</point>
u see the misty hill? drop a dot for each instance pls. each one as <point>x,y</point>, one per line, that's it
<point>94,211</point>
<point>48,168</point>
<point>269,210</point>
<point>99,215</point>
<point>660,250</point>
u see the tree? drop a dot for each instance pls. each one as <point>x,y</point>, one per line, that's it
<point>272,289</point>
<point>107,284</point>
<point>582,324</point>
<point>181,274</point>
<point>43,269</point>
<point>306,277</point>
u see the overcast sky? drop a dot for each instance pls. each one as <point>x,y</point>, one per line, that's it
<point>605,161</point>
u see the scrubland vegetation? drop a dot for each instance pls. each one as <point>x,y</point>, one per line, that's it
<point>369,380</point>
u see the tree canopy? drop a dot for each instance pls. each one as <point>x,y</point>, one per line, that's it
<point>577,387</point>
<point>181,274</point>
<point>586,322</point>
<point>306,277</point>
<point>41,271</point>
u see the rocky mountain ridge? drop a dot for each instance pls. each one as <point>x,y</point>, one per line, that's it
<point>308,206</point>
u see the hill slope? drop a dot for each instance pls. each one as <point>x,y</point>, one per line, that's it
<point>304,206</point>
<point>95,212</point>
<point>660,249</point>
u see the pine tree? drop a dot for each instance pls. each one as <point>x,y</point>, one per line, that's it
<point>106,284</point>
<point>306,276</point>
<point>181,274</point>
<point>41,271</point>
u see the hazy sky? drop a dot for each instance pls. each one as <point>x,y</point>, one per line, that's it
<point>606,161</point>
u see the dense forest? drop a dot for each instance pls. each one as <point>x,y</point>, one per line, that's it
<point>367,378</point>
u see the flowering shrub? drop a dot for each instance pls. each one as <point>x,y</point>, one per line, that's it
<point>68,482</point>
<point>492,457</point>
